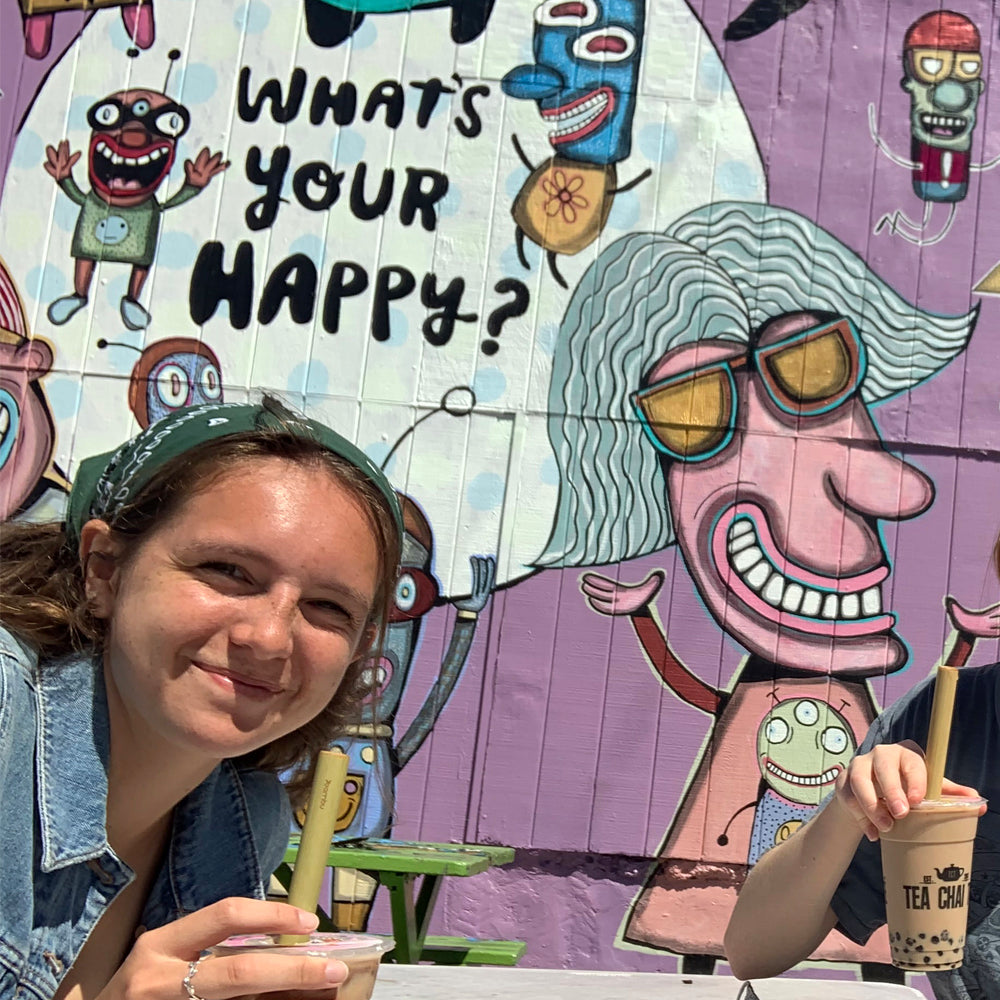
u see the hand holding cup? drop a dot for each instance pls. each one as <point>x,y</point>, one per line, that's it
<point>879,787</point>
<point>161,958</point>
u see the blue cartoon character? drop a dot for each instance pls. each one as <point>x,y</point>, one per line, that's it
<point>132,147</point>
<point>329,22</point>
<point>943,67</point>
<point>584,81</point>
<point>170,374</point>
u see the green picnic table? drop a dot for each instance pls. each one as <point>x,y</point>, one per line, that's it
<point>397,864</point>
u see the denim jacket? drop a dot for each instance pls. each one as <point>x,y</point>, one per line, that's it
<point>58,874</point>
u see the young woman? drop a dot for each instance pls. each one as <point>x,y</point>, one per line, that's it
<point>829,874</point>
<point>199,624</point>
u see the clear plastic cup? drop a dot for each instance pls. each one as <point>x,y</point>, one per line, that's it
<point>927,864</point>
<point>361,953</point>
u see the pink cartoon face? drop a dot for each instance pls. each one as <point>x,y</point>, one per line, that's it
<point>26,432</point>
<point>777,480</point>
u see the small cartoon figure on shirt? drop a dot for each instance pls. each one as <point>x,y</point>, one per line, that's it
<point>133,144</point>
<point>802,745</point>
<point>942,66</point>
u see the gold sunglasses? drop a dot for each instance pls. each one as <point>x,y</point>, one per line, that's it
<point>692,416</point>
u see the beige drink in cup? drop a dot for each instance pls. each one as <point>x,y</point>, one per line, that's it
<point>361,953</point>
<point>926,864</point>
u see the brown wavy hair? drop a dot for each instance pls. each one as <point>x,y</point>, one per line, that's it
<point>42,598</point>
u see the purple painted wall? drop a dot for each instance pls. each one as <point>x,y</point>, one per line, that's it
<point>453,329</point>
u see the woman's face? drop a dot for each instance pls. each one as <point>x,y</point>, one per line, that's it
<point>234,621</point>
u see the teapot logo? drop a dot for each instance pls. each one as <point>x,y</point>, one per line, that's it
<point>950,874</point>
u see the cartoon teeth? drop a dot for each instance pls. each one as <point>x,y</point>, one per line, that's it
<point>130,161</point>
<point>942,121</point>
<point>577,117</point>
<point>747,558</point>
<point>4,422</point>
<point>803,779</point>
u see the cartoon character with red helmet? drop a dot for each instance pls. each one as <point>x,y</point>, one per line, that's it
<point>942,65</point>
<point>132,149</point>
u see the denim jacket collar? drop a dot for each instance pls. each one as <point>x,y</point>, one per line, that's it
<point>71,761</point>
<point>73,751</point>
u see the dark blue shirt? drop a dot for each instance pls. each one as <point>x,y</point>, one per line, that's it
<point>58,874</point>
<point>973,759</point>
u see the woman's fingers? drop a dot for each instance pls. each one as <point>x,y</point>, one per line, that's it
<point>192,934</point>
<point>223,977</point>
<point>879,787</point>
<point>901,776</point>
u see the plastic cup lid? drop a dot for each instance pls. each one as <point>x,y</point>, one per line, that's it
<point>949,801</point>
<point>341,945</point>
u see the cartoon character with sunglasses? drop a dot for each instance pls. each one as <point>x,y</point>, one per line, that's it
<point>731,416</point>
<point>132,148</point>
<point>742,431</point>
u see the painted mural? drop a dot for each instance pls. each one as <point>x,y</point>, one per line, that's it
<point>674,326</point>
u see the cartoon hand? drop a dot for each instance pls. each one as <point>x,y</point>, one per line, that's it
<point>204,167</point>
<point>59,162</point>
<point>484,575</point>
<point>983,624</point>
<point>608,597</point>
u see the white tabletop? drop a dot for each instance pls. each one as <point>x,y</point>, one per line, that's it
<point>436,982</point>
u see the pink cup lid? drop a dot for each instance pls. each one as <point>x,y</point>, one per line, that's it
<point>341,945</point>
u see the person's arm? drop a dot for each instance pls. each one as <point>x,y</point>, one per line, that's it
<point>784,908</point>
<point>783,911</point>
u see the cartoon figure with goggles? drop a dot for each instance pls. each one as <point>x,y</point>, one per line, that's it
<point>377,753</point>
<point>942,66</point>
<point>744,436</point>
<point>132,148</point>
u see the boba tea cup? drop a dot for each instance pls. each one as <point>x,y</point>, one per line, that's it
<point>926,866</point>
<point>361,953</point>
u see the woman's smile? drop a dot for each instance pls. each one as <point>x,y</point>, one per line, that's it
<point>257,688</point>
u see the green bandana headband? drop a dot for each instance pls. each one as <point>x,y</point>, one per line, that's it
<point>104,484</point>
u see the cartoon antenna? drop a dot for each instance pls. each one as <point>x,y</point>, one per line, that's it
<point>173,55</point>
<point>451,403</point>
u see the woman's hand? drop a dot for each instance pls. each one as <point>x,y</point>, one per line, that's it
<point>158,962</point>
<point>877,788</point>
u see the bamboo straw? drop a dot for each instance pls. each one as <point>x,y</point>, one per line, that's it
<point>940,728</point>
<point>317,833</point>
